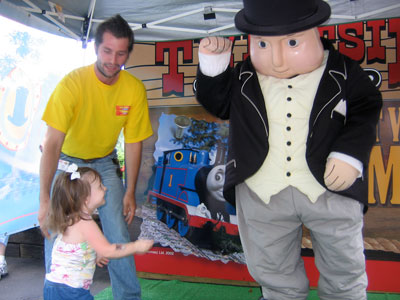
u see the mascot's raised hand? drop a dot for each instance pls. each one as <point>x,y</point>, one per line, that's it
<point>339,175</point>
<point>215,45</point>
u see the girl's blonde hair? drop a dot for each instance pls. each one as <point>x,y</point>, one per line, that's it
<point>68,198</point>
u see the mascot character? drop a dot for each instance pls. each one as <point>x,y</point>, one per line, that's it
<point>302,124</point>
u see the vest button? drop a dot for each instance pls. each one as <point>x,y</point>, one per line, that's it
<point>289,98</point>
<point>288,128</point>
<point>288,174</point>
<point>288,158</point>
<point>289,115</point>
<point>289,86</point>
<point>288,143</point>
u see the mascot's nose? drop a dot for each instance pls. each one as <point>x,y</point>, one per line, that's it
<point>277,57</point>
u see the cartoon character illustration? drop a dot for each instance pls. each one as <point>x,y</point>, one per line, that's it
<point>188,192</point>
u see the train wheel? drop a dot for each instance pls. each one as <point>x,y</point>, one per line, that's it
<point>170,220</point>
<point>183,227</point>
<point>160,213</point>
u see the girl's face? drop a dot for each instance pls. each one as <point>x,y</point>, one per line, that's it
<point>96,197</point>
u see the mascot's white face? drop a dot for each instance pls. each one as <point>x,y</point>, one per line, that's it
<point>286,56</point>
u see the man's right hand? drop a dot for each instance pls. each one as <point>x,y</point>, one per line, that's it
<point>51,149</point>
<point>42,216</point>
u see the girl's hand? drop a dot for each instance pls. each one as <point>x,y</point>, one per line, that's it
<point>102,261</point>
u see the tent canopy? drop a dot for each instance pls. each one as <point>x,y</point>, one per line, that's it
<point>163,20</point>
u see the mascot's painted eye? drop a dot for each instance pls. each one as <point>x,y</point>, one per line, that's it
<point>262,44</point>
<point>293,43</point>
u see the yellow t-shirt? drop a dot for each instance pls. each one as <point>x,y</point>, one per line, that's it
<point>92,114</point>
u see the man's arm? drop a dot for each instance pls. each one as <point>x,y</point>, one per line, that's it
<point>52,144</point>
<point>133,156</point>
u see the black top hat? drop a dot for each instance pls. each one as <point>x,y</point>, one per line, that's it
<point>281,17</point>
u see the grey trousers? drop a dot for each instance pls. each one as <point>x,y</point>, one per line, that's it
<point>271,238</point>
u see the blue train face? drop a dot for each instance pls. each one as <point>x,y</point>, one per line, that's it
<point>188,191</point>
<point>215,182</point>
<point>176,173</point>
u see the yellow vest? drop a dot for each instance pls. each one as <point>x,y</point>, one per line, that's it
<point>288,103</point>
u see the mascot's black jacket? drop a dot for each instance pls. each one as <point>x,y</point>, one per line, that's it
<point>236,95</point>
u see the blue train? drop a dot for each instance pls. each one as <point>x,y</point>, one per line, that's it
<point>188,193</point>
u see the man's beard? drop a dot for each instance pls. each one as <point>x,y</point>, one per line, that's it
<point>103,72</point>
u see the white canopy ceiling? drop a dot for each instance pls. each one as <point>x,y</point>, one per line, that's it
<point>163,20</point>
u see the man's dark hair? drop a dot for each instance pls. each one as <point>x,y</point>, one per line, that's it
<point>118,27</point>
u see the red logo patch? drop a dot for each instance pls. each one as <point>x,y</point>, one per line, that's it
<point>122,110</point>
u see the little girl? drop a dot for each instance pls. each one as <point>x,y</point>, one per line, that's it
<point>76,195</point>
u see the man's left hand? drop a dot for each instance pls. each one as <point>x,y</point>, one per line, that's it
<point>129,208</point>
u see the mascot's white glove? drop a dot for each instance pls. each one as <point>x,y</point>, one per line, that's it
<point>214,55</point>
<point>339,175</point>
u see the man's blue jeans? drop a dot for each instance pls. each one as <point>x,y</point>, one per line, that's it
<point>59,291</point>
<point>124,283</point>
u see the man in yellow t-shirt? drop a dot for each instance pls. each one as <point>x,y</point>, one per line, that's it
<point>85,115</point>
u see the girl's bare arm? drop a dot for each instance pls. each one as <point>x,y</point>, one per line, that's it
<point>93,235</point>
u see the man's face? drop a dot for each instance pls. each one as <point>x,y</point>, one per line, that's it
<point>112,54</point>
<point>287,55</point>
